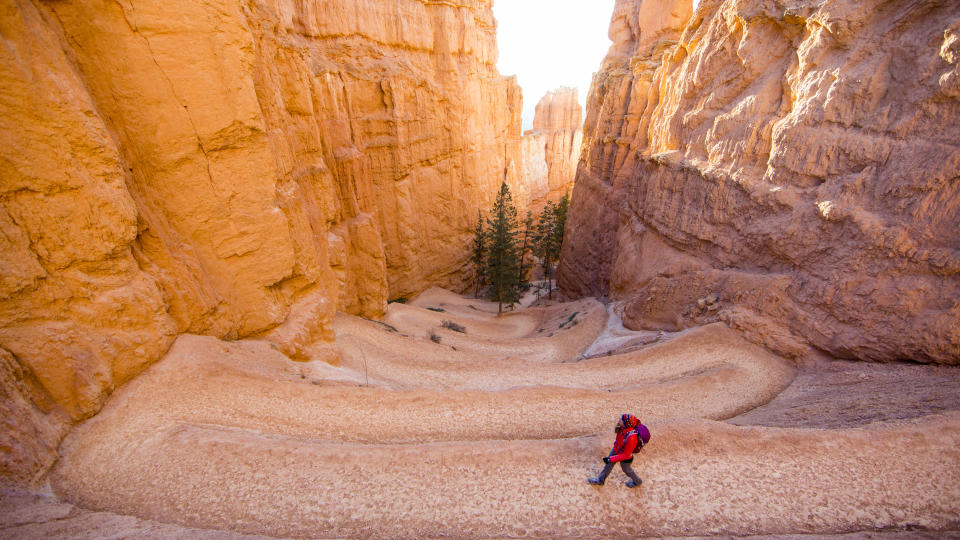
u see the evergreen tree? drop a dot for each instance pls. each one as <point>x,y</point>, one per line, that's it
<point>560,221</point>
<point>479,252</point>
<point>549,236</point>
<point>502,252</point>
<point>528,234</point>
<point>557,227</point>
<point>544,241</point>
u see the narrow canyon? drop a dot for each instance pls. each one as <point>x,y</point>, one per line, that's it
<point>237,295</point>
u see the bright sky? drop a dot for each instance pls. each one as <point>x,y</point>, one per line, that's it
<point>551,43</point>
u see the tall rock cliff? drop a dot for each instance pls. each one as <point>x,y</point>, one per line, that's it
<point>789,167</point>
<point>551,149</point>
<point>227,168</point>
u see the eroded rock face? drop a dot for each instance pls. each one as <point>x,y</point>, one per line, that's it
<point>536,175</point>
<point>798,164</point>
<point>552,148</point>
<point>228,169</point>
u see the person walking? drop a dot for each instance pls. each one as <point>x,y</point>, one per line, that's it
<point>631,437</point>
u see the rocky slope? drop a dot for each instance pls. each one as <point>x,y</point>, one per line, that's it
<point>791,168</point>
<point>229,169</point>
<point>551,149</point>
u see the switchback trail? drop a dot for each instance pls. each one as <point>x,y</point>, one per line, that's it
<point>428,431</point>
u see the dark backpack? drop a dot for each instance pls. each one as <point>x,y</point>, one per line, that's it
<point>643,437</point>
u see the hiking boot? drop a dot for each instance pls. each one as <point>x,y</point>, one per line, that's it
<point>632,484</point>
<point>595,481</point>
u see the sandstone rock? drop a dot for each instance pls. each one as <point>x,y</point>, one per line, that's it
<point>637,25</point>
<point>32,424</point>
<point>552,149</point>
<point>228,169</point>
<point>558,110</point>
<point>78,317</point>
<point>536,175</point>
<point>801,160</point>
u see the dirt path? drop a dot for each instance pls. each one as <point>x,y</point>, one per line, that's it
<point>31,516</point>
<point>838,394</point>
<point>477,436</point>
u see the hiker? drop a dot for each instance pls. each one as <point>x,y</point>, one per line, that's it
<point>631,437</point>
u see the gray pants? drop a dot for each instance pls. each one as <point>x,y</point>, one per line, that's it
<point>625,465</point>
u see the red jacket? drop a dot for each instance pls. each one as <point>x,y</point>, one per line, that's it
<point>624,445</point>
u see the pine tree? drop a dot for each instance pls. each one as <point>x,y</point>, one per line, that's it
<point>549,236</point>
<point>502,252</point>
<point>557,227</point>
<point>528,234</point>
<point>560,221</point>
<point>544,241</point>
<point>479,252</point>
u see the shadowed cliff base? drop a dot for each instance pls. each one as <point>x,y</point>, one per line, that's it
<point>482,442</point>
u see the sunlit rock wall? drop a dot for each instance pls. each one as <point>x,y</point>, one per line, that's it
<point>791,168</point>
<point>551,149</point>
<point>227,168</point>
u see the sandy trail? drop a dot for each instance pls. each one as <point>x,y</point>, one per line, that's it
<point>439,304</point>
<point>412,438</point>
<point>554,334</point>
<point>696,356</point>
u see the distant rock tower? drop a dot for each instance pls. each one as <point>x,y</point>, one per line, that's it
<point>551,149</point>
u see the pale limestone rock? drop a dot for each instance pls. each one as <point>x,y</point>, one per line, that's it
<point>800,159</point>
<point>558,110</point>
<point>536,175</point>
<point>637,25</point>
<point>551,149</point>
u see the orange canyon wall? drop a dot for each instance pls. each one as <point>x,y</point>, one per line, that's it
<point>790,168</point>
<point>232,169</point>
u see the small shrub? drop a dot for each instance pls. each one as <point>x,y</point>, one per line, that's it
<point>438,310</point>
<point>434,338</point>
<point>564,323</point>
<point>401,300</point>
<point>450,325</point>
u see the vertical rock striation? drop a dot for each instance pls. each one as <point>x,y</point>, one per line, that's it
<point>791,168</point>
<point>551,149</point>
<point>232,169</point>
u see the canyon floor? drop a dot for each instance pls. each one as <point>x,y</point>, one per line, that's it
<point>427,431</point>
